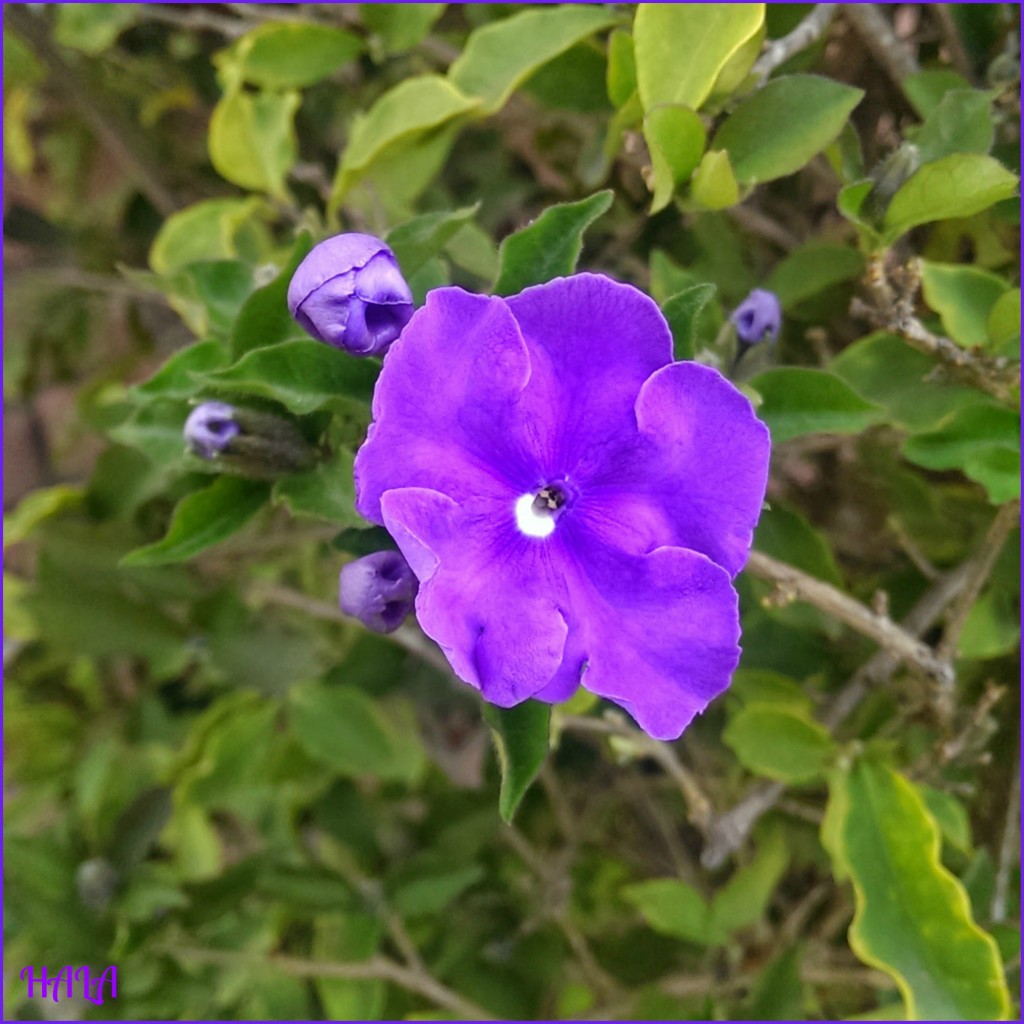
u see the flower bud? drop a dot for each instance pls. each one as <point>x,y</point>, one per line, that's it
<point>888,176</point>
<point>757,317</point>
<point>379,590</point>
<point>350,293</point>
<point>209,428</point>
<point>253,444</point>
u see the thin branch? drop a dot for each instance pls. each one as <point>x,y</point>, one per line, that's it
<point>882,42</point>
<point>793,584</point>
<point>613,724</point>
<point>195,18</point>
<point>407,635</point>
<point>982,565</point>
<point>728,831</point>
<point>808,32</point>
<point>952,39</point>
<point>103,121</point>
<point>376,968</point>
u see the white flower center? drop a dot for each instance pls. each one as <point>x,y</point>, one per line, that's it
<point>531,521</point>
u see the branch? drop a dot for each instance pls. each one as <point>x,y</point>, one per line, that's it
<point>796,585</point>
<point>613,724</point>
<point>808,32</point>
<point>103,121</point>
<point>996,376</point>
<point>728,831</point>
<point>884,45</point>
<point>377,968</point>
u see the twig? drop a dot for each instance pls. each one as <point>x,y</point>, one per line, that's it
<point>197,17</point>
<point>1008,847</point>
<point>103,121</point>
<point>796,585</point>
<point>554,877</point>
<point>407,636</point>
<point>954,44</point>
<point>808,32</point>
<point>757,223</point>
<point>613,724</point>
<point>996,376</point>
<point>728,831</point>
<point>981,569</point>
<point>884,45</point>
<point>376,968</point>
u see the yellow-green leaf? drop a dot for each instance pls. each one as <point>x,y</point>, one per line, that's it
<point>682,48</point>
<point>913,917</point>
<point>499,57</point>
<point>714,185</point>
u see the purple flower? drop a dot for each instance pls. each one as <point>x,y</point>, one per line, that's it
<point>210,428</point>
<point>379,590</point>
<point>350,293</point>
<point>757,317</point>
<point>574,504</point>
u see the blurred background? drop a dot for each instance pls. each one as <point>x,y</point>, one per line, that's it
<point>256,809</point>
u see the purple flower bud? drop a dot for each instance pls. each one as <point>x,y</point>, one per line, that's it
<point>379,590</point>
<point>210,428</point>
<point>757,317</point>
<point>350,293</point>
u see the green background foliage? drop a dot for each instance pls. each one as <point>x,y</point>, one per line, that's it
<point>258,810</point>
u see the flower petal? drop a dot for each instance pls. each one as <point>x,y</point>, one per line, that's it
<point>482,597</point>
<point>334,257</point>
<point>594,341</point>
<point>446,406</point>
<point>693,477</point>
<point>660,630</point>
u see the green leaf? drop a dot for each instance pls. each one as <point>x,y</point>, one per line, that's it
<point>302,375</point>
<point>621,74</point>
<point>779,741</point>
<point>500,56</point>
<point>400,26</point>
<point>799,401</point>
<point>155,429</point>
<point>955,186</point>
<point>926,88</point>
<point>950,815</point>
<point>418,240</point>
<point>203,231</point>
<point>981,440</point>
<point>412,108</point>
<point>202,519</point>
<point>521,737</point>
<point>714,185</point>
<point>760,686</point>
<point>963,296</point>
<point>961,123</point>
<point>789,537</point>
<point>992,627</point>
<point>675,909</point>
<point>174,379</point>
<point>783,125</point>
<point>350,938</point>
<point>913,917</point>
<point>811,269</point>
<point>1003,325</point>
<point>326,491</point>
<point>744,899</point>
<point>264,318</point>
<point>682,311</point>
<point>884,369</point>
<point>550,246</point>
<point>675,137</point>
<point>92,28</point>
<point>355,735</point>
<point>288,54</point>
<point>682,48</point>
<point>252,139</point>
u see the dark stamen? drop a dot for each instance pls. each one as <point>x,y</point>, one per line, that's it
<point>549,499</point>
